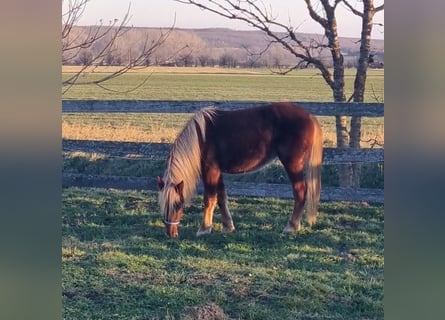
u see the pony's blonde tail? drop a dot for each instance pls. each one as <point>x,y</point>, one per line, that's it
<point>313,173</point>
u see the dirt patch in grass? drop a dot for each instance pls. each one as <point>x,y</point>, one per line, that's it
<point>209,311</point>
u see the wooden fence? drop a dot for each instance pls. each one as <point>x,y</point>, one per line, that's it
<point>160,150</point>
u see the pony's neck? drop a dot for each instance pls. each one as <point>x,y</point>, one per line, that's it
<point>184,162</point>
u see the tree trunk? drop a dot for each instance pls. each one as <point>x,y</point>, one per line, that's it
<point>356,124</point>
<point>360,83</point>
<point>344,170</point>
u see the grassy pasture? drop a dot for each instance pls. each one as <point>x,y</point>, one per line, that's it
<point>118,264</point>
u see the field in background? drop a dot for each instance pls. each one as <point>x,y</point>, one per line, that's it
<point>168,83</point>
<point>165,83</point>
<point>118,264</point>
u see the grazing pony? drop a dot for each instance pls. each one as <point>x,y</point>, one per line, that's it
<point>216,141</point>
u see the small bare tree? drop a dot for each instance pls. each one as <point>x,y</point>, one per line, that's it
<point>79,45</point>
<point>203,60</point>
<point>312,52</point>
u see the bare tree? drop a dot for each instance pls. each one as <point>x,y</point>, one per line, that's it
<point>203,60</point>
<point>79,45</point>
<point>310,51</point>
<point>367,17</point>
<point>185,60</point>
<point>227,60</point>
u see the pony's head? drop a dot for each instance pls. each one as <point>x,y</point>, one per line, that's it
<point>183,170</point>
<point>171,201</point>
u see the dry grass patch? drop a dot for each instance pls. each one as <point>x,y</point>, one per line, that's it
<point>162,133</point>
<point>167,70</point>
<point>126,133</point>
<point>204,312</point>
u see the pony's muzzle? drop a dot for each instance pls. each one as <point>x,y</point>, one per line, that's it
<point>172,232</point>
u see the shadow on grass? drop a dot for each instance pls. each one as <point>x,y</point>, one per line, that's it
<point>372,174</point>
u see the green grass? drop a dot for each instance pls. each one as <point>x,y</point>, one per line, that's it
<point>302,85</point>
<point>118,264</point>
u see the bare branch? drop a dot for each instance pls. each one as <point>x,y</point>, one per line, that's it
<point>377,141</point>
<point>103,39</point>
<point>375,96</point>
<point>314,15</point>
<point>261,18</point>
<point>258,55</point>
<point>352,9</point>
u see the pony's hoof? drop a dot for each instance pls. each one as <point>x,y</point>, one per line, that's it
<point>311,220</point>
<point>203,231</point>
<point>291,229</point>
<point>228,229</point>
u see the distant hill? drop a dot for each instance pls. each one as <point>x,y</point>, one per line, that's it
<point>218,46</point>
<point>222,38</point>
<point>228,38</point>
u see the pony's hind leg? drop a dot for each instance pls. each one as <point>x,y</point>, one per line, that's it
<point>294,223</point>
<point>224,208</point>
<point>296,177</point>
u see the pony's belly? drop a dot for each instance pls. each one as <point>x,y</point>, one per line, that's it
<point>247,166</point>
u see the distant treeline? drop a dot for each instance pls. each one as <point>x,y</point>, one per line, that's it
<point>207,47</point>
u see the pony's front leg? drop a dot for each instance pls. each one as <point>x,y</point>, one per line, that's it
<point>212,180</point>
<point>209,206</point>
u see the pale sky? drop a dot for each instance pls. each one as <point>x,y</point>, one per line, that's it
<point>161,13</point>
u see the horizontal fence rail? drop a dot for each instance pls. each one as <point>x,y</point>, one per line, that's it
<point>133,150</point>
<point>274,190</point>
<point>148,106</point>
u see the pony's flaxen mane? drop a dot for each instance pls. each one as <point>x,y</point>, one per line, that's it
<point>184,161</point>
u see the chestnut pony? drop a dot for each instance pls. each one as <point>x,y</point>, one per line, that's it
<point>216,141</point>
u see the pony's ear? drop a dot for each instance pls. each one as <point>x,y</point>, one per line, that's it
<point>179,188</point>
<point>160,182</point>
